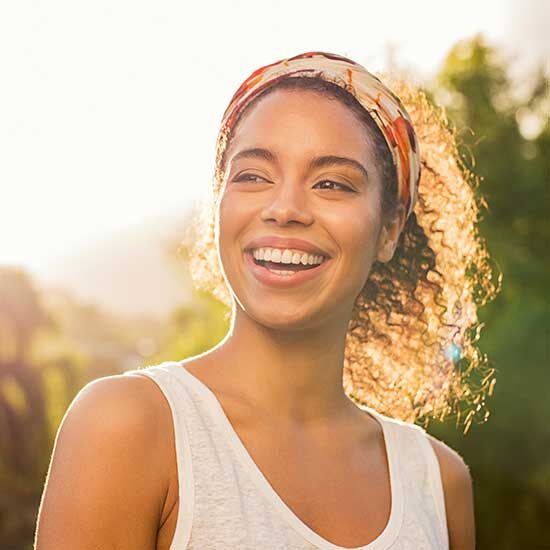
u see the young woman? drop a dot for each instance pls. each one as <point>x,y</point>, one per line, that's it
<point>352,301</point>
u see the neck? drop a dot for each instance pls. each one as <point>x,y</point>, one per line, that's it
<point>293,374</point>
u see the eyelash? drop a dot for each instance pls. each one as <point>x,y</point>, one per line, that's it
<point>344,187</point>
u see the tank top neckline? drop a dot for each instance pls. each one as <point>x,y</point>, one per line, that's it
<point>390,531</point>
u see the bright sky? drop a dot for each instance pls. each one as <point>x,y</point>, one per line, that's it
<point>109,109</point>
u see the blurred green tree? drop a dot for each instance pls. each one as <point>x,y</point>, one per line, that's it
<point>48,351</point>
<point>29,393</point>
<point>194,328</point>
<point>503,132</point>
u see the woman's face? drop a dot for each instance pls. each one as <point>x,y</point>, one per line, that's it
<point>293,186</point>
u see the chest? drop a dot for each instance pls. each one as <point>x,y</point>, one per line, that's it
<point>340,491</point>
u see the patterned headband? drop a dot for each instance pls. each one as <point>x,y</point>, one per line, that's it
<point>380,102</point>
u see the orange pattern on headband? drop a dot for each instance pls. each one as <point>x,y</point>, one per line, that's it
<point>381,103</point>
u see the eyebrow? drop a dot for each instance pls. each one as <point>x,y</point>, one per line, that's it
<point>316,162</point>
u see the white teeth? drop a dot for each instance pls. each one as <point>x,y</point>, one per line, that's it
<point>287,256</point>
<point>275,255</point>
<point>284,272</point>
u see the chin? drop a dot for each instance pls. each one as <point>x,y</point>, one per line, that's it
<point>282,317</point>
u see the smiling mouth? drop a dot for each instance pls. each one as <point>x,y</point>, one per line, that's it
<point>277,266</point>
<point>280,275</point>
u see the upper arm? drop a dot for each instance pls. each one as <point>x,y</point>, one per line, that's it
<point>459,496</point>
<point>107,479</point>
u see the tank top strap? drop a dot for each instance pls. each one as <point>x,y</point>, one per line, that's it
<point>435,480</point>
<point>180,404</point>
<point>423,484</point>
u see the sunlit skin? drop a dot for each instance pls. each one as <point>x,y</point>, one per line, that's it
<point>285,349</point>
<point>278,372</point>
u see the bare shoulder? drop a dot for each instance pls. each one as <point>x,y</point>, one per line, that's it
<point>459,496</point>
<point>107,480</point>
<point>121,406</point>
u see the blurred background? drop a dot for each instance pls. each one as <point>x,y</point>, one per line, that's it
<point>110,111</point>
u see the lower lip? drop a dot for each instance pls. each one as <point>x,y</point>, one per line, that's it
<point>283,281</point>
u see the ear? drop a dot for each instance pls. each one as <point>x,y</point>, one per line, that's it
<point>389,235</point>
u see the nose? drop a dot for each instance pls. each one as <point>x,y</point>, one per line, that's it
<point>286,204</point>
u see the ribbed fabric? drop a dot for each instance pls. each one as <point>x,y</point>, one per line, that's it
<point>227,503</point>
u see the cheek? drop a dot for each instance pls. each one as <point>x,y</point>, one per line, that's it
<point>354,227</point>
<point>223,219</point>
<point>232,219</point>
<point>355,231</point>
<point>359,253</point>
<point>226,224</point>
<point>235,207</point>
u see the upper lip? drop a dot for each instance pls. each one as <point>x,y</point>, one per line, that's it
<point>271,241</point>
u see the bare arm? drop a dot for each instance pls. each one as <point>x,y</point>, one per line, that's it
<point>459,496</point>
<point>107,481</point>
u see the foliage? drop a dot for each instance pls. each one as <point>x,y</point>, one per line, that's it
<point>505,139</point>
<point>50,345</point>
<point>33,397</point>
<point>194,329</point>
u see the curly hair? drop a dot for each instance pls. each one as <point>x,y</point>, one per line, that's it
<point>410,349</point>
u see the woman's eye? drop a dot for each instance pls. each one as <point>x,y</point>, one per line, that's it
<point>247,177</point>
<point>341,185</point>
<point>255,177</point>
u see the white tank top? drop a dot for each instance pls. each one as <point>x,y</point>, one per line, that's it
<point>227,503</point>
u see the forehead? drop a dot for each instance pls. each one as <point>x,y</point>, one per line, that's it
<point>300,123</point>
